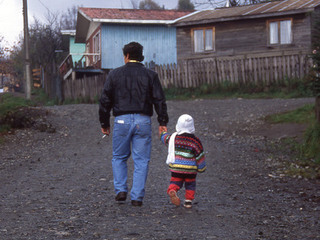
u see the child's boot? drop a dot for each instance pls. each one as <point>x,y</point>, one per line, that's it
<point>174,197</point>
<point>187,204</point>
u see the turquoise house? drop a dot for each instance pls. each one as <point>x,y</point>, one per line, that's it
<point>74,58</point>
<point>76,50</point>
<point>105,31</point>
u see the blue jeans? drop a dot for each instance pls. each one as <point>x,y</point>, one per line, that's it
<point>131,132</point>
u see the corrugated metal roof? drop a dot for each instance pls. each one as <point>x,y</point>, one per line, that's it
<point>269,8</point>
<point>101,14</point>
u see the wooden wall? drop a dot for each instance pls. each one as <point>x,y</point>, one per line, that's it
<point>86,87</point>
<point>259,70</point>
<point>242,37</point>
<point>158,41</point>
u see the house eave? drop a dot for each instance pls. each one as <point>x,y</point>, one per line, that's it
<point>131,21</point>
<point>242,17</point>
<point>181,18</point>
<point>68,32</point>
<point>83,24</point>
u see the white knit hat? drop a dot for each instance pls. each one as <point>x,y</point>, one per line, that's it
<point>185,124</point>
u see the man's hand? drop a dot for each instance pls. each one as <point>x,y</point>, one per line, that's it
<point>162,129</point>
<point>106,131</point>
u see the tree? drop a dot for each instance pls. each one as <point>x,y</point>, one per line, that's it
<point>222,3</point>
<point>44,40</point>
<point>185,5</point>
<point>149,5</point>
<point>316,61</point>
<point>68,19</point>
<point>134,4</point>
<point>6,64</point>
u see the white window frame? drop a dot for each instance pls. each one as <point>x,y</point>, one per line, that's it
<point>88,51</point>
<point>277,34</point>
<point>97,47</point>
<point>200,38</point>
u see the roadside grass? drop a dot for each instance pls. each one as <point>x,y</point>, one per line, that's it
<point>288,88</point>
<point>39,97</point>
<point>9,103</point>
<point>304,114</point>
<point>306,162</point>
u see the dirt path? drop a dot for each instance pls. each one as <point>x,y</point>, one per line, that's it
<point>59,185</point>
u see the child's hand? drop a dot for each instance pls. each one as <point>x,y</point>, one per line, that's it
<point>162,129</point>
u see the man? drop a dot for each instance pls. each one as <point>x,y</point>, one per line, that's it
<point>131,91</point>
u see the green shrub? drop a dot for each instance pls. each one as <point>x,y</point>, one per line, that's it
<point>8,103</point>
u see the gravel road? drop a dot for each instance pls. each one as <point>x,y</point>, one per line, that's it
<point>56,180</point>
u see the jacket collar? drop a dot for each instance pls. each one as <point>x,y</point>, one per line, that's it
<point>133,63</point>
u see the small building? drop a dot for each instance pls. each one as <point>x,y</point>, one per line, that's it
<point>73,65</point>
<point>106,31</point>
<point>76,50</point>
<point>270,28</point>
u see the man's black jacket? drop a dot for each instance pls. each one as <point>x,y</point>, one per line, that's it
<point>129,89</point>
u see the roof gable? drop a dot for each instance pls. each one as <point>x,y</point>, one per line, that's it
<point>274,8</point>
<point>100,14</point>
<point>94,16</point>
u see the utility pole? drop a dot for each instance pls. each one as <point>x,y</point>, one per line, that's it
<point>26,50</point>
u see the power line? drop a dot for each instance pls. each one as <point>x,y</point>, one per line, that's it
<point>45,7</point>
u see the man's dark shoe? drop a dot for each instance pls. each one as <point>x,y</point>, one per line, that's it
<point>121,196</point>
<point>136,203</point>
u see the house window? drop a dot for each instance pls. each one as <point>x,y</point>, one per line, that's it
<point>280,32</point>
<point>96,47</point>
<point>203,39</point>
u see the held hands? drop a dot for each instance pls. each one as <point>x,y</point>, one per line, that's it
<point>106,131</point>
<point>162,129</point>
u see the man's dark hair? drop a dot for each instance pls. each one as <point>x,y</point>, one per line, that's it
<point>134,50</point>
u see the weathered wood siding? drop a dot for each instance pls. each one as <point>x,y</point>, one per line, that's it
<point>83,88</point>
<point>242,37</point>
<point>159,43</point>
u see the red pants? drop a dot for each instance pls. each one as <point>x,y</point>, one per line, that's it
<point>189,180</point>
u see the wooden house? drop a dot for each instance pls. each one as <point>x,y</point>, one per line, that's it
<point>106,31</point>
<point>259,44</point>
<point>74,60</point>
<point>265,29</point>
<point>76,50</point>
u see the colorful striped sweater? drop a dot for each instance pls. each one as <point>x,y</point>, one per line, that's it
<point>189,155</point>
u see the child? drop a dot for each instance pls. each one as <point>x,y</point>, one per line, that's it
<point>185,159</point>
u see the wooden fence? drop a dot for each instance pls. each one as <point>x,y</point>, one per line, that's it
<point>83,88</point>
<point>255,70</point>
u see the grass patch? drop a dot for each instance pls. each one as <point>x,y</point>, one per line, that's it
<point>311,145</point>
<point>9,103</point>
<point>304,114</point>
<point>39,97</point>
<point>288,88</point>
<point>306,161</point>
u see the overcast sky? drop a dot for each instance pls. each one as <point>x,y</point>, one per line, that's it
<point>11,18</point>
